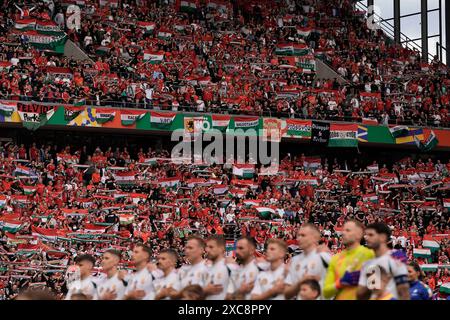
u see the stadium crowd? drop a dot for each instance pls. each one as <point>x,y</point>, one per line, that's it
<point>137,210</point>
<point>249,57</point>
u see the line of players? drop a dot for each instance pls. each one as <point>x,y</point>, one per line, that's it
<point>373,271</point>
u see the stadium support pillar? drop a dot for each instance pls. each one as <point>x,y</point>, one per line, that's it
<point>397,21</point>
<point>447,32</point>
<point>424,24</point>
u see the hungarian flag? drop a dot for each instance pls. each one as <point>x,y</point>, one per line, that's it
<point>74,212</point>
<point>370,197</point>
<point>304,32</point>
<point>119,195</point>
<point>59,72</point>
<point>422,253</point>
<point>373,168</point>
<point>162,119</point>
<point>22,171</point>
<point>149,27</point>
<point>125,219</point>
<point>138,197</point>
<point>399,131</point>
<point>92,228</point>
<point>343,135</point>
<point>220,188</point>
<point>292,49</point>
<point>2,201</point>
<point>189,6</point>
<point>104,115</point>
<point>124,176</point>
<point>153,56</point>
<point>9,225</point>
<point>151,161</point>
<point>245,183</point>
<point>445,288</point>
<point>34,116</point>
<point>164,34</point>
<point>298,128</point>
<point>7,108</point>
<point>246,122</point>
<point>265,212</point>
<point>220,122</point>
<point>238,193</point>
<point>47,27</point>
<point>20,200</point>
<point>168,182</point>
<point>431,244</point>
<point>44,234</point>
<point>71,112</point>
<point>42,41</point>
<point>129,117</point>
<point>25,24</point>
<point>250,203</point>
<point>312,162</point>
<point>429,267</point>
<point>308,180</point>
<point>370,121</point>
<point>110,3</point>
<point>27,190</point>
<point>447,204</point>
<point>195,181</point>
<point>244,171</point>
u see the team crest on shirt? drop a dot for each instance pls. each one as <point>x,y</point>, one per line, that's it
<point>264,281</point>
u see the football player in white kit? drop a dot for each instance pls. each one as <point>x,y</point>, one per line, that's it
<point>242,280</point>
<point>377,236</point>
<point>111,287</point>
<point>140,284</point>
<point>218,274</point>
<point>310,264</point>
<point>85,285</point>
<point>269,285</point>
<point>168,285</point>
<point>194,272</point>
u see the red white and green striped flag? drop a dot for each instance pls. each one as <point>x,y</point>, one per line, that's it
<point>7,108</point>
<point>110,3</point>
<point>445,288</point>
<point>44,234</point>
<point>220,188</point>
<point>343,135</point>
<point>126,219</point>
<point>153,56</point>
<point>220,122</point>
<point>304,32</point>
<point>2,201</point>
<point>312,162</point>
<point>28,190</point>
<point>25,24</point>
<point>189,6</point>
<point>265,212</point>
<point>238,193</point>
<point>22,171</point>
<point>137,197</point>
<point>292,49</point>
<point>129,117</point>
<point>194,182</point>
<point>162,119</point>
<point>431,244</point>
<point>244,171</point>
<point>9,225</point>
<point>74,212</point>
<point>164,34</point>
<point>124,176</point>
<point>92,228</point>
<point>104,115</point>
<point>149,27</point>
<point>372,197</point>
<point>48,27</point>
<point>169,182</point>
<point>447,203</point>
<point>422,253</point>
<point>250,203</point>
<point>246,122</point>
<point>19,200</point>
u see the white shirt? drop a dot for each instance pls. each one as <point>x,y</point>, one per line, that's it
<point>397,270</point>
<point>169,281</point>
<point>243,274</point>
<point>193,274</point>
<point>111,284</point>
<point>267,279</point>
<point>314,264</point>
<point>218,273</point>
<point>85,286</point>
<point>141,280</point>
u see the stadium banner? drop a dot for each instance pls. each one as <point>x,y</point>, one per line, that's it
<point>320,132</point>
<point>298,129</point>
<point>86,116</point>
<point>272,129</point>
<point>34,116</point>
<point>343,135</point>
<point>42,41</point>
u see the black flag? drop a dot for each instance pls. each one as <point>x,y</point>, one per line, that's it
<point>320,132</point>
